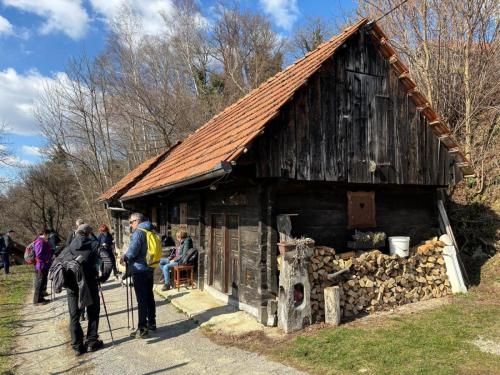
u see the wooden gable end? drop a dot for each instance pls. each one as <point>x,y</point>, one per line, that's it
<point>355,122</point>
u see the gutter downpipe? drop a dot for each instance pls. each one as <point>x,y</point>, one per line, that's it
<point>219,170</point>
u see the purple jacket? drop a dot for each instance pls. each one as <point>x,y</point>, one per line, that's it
<point>43,254</point>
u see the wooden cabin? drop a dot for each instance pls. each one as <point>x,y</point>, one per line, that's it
<point>340,140</point>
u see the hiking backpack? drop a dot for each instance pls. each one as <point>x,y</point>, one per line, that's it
<point>153,253</point>
<point>29,253</point>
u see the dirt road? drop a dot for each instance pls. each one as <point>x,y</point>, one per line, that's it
<point>177,347</point>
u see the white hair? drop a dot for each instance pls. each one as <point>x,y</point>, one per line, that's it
<point>137,216</point>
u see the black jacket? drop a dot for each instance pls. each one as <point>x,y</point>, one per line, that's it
<point>86,251</point>
<point>71,236</point>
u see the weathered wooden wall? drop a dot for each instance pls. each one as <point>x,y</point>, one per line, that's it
<point>230,220</point>
<point>322,211</point>
<point>353,110</point>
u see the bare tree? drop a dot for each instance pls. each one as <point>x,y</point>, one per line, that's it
<point>453,52</point>
<point>310,35</point>
<point>247,49</point>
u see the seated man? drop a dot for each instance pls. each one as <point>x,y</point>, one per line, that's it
<point>185,243</point>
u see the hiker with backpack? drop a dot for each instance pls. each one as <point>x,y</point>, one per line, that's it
<point>185,243</point>
<point>78,265</point>
<point>43,260</point>
<point>142,256</point>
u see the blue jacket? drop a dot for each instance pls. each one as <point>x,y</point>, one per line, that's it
<point>136,253</point>
<point>105,240</point>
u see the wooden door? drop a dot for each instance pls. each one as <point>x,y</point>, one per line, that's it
<point>217,251</point>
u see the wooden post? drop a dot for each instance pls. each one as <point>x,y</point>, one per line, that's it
<point>332,305</point>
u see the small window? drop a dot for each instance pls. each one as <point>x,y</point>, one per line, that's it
<point>361,209</point>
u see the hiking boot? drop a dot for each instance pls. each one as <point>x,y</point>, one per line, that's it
<point>81,349</point>
<point>166,287</point>
<point>94,346</point>
<point>152,327</point>
<point>42,301</point>
<point>140,333</point>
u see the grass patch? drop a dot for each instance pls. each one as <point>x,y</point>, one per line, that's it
<point>13,290</point>
<point>436,342</point>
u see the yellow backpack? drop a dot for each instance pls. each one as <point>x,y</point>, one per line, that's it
<point>153,254</point>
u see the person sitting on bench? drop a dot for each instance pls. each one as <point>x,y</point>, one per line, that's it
<point>166,264</point>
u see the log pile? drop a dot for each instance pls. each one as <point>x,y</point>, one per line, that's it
<point>373,281</point>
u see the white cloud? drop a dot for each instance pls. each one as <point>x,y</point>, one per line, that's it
<point>18,93</point>
<point>284,12</point>
<point>16,162</point>
<point>31,150</point>
<point>148,12</point>
<point>6,27</point>
<point>67,16</point>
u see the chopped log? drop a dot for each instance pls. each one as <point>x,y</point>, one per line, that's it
<point>332,305</point>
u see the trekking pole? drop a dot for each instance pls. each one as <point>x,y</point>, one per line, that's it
<point>132,305</point>
<point>128,306</point>
<point>107,316</point>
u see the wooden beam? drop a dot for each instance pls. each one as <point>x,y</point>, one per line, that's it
<point>413,91</point>
<point>434,123</point>
<point>393,59</point>
<point>423,107</point>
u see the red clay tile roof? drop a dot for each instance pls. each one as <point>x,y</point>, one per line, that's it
<point>131,178</point>
<point>224,137</point>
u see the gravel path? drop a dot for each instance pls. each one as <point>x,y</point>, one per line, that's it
<point>177,347</point>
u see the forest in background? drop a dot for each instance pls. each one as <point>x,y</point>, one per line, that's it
<point>107,114</point>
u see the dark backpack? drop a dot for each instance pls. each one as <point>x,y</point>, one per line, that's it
<point>60,276</point>
<point>190,258</point>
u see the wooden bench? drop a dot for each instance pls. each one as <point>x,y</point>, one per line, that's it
<point>179,278</point>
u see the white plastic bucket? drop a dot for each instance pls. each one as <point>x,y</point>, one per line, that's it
<point>399,245</point>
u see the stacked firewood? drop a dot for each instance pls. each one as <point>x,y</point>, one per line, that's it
<point>372,281</point>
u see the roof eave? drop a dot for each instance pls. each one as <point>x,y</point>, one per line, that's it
<point>221,169</point>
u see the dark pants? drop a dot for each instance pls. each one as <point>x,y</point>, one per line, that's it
<point>40,284</point>
<point>5,262</point>
<point>112,258</point>
<point>92,317</point>
<point>143,285</point>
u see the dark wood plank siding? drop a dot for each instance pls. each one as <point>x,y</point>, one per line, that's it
<point>322,211</point>
<point>352,111</point>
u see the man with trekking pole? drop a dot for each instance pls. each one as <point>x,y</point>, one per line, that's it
<point>80,263</point>
<point>142,256</point>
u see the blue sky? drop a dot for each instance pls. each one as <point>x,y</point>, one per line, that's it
<point>38,37</point>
